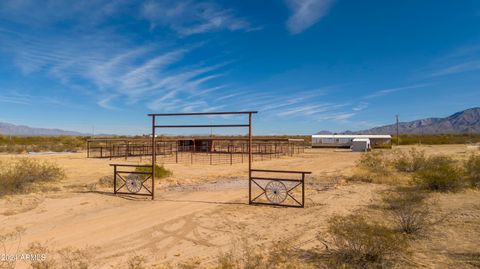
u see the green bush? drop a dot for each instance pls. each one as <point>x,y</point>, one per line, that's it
<point>357,243</point>
<point>440,173</point>
<point>374,162</point>
<point>409,210</point>
<point>160,171</point>
<point>472,170</point>
<point>412,161</point>
<point>20,175</point>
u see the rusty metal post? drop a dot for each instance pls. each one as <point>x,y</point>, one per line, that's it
<point>249,158</point>
<point>242,151</point>
<point>126,150</point>
<point>154,156</point>
<point>303,190</point>
<point>88,149</point>
<point>191,152</point>
<point>115,179</point>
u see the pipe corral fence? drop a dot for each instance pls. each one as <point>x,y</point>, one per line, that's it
<point>195,149</point>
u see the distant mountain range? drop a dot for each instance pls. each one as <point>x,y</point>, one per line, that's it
<point>467,121</point>
<point>21,130</point>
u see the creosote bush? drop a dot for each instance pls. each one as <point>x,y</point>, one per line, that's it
<point>412,161</point>
<point>374,162</point>
<point>160,171</point>
<point>357,243</point>
<point>440,173</point>
<point>409,210</point>
<point>21,175</point>
<point>472,170</point>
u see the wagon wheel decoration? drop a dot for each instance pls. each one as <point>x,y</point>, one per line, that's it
<point>276,192</point>
<point>133,183</point>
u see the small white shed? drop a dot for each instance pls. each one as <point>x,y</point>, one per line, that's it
<point>360,144</point>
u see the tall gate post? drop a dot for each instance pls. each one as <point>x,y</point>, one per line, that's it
<point>154,156</point>
<point>250,158</point>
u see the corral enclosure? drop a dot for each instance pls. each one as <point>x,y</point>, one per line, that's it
<point>196,149</point>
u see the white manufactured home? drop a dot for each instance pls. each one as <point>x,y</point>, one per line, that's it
<point>346,141</point>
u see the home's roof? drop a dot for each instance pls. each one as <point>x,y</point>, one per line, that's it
<point>361,140</point>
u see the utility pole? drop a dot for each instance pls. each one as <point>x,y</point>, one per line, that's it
<point>398,138</point>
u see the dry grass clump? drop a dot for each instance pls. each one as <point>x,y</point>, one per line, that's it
<point>22,175</point>
<point>440,173</point>
<point>357,243</point>
<point>472,170</point>
<point>248,256</point>
<point>46,262</point>
<point>74,258</point>
<point>409,210</point>
<point>136,262</point>
<point>9,246</point>
<point>105,181</point>
<point>65,258</point>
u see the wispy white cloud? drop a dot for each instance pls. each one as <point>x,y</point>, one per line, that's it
<point>393,90</point>
<point>336,116</point>
<point>14,97</point>
<point>192,17</point>
<point>457,68</point>
<point>15,100</point>
<point>305,13</point>
<point>360,106</point>
<point>460,60</point>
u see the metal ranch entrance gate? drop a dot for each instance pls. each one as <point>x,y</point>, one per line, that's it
<point>274,190</point>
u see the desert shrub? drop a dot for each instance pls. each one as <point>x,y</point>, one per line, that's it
<point>192,263</point>
<point>105,181</point>
<point>43,263</point>
<point>10,242</point>
<point>248,256</point>
<point>74,258</point>
<point>440,173</point>
<point>409,210</point>
<point>136,262</point>
<point>412,161</point>
<point>374,162</point>
<point>160,171</point>
<point>20,175</point>
<point>373,167</point>
<point>357,243</point>
<point>472,170</point>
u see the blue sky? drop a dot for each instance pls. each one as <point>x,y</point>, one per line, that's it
<point>305,65</point>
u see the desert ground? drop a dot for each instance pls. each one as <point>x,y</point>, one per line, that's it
<point>202,210</point>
